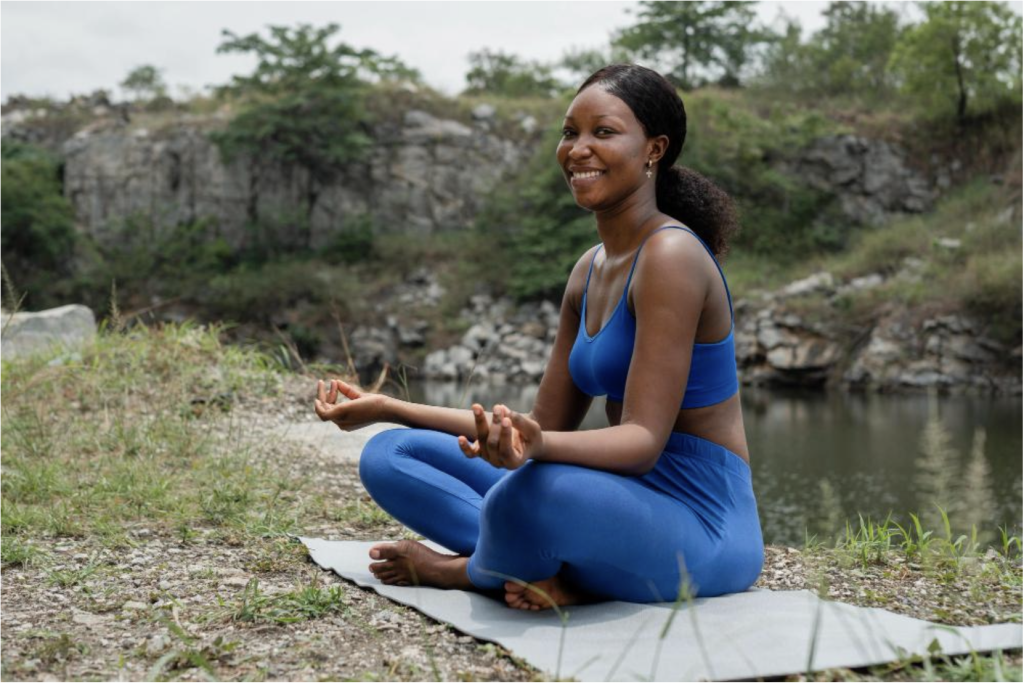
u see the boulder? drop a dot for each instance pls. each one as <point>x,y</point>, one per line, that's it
<point>27,333</point>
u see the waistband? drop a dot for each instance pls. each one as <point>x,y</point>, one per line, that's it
<point>692,446</point>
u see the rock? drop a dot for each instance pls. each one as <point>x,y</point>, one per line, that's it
<point>813,283</point>
<point>156,645</point>
<point>27,333</point>
<point>423,175</point>
<point>869,177</point>
<point>484,112</point>
<point>134,605</point>
<point>952,244</point>
<point>89,619</point>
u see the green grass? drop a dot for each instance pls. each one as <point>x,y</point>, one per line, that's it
<point>305,602</point>
<point>126,435</point>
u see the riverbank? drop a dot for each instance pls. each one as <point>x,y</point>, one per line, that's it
<point>147,497</point>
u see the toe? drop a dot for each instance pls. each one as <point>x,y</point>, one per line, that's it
<point>380,551</point>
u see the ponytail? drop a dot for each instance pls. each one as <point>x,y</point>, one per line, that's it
<point>702,206</point>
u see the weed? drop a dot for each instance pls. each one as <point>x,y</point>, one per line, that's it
<point>59,649</point>
<point>304,603</point>
<point>363,513</point>
<point>73,576</point>
<point>17,553</point>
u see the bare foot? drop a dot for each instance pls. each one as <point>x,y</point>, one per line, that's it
<point>409,562</point>
<point>558,591</point>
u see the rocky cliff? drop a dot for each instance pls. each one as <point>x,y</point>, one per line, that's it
<point>420,176</point>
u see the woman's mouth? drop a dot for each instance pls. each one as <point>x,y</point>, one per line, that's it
<point>579,177</point>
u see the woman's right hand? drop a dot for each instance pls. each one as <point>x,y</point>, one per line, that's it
<point>361,409</point>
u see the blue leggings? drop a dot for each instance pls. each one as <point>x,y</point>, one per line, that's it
<point>614,536</point>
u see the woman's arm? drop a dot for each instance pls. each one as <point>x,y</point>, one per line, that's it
<point>453,421</point>
<point>670,287</point>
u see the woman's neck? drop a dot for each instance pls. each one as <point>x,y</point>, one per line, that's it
<point>624,227</point>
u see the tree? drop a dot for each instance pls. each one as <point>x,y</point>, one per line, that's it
<point>851,53</point>
<point>695,42</point>
<point>848,57</point>
<point>964,53</point>
<point>145,81</point>
<point>38,223</point>
<point>499,73</point>
<point>581,63</point>
<point>303,104</point>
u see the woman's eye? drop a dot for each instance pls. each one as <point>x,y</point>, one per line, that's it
<point>566,132</point>
<point>604,131</point>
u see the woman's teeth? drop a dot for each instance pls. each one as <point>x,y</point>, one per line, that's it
<point>587,174</point>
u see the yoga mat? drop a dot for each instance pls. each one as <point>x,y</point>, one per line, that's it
<point>758,633</point>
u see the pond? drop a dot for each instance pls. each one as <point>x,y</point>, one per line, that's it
<point>822,458</point>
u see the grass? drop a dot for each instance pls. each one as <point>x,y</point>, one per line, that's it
<point>303,603</point>
<point>981,275</point>
<point>116,437</point>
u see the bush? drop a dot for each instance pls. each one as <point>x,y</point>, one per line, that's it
<point>38,236</point>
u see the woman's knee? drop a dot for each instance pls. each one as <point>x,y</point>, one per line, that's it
<point>376,462</point>
<point>531,491</point>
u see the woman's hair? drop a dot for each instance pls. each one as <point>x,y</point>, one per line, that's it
<point>681,193</point>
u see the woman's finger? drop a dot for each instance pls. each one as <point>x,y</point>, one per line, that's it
<point>332,393</point>
<point>482,428</point>
<point>320,395</point>
<point>348,390</point>
<point>319,407</point>
<point>466,447</point>
<point>505,443</point>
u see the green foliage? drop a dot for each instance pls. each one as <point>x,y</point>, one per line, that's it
<point>848,58</point>
<point>303,103</point>
<point>500,73</point>
<point>146,82</point>
<point>144,258</point>
<point>537,227</point>
<point>38,236</point>
<point>965,58</point>
<point>735,145</point>
<point>695,42</point>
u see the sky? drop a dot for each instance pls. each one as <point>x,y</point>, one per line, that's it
<point>61,48</point>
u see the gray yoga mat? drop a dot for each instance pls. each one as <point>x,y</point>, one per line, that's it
<point>758,633</point>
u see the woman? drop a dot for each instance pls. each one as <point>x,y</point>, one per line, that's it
<point>656,504</point>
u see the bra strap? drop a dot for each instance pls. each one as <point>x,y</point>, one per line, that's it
<point>592,260</point>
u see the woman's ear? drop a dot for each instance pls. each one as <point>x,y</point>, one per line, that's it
<point>656,148</point>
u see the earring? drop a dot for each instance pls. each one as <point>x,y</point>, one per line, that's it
<point>649,172</point>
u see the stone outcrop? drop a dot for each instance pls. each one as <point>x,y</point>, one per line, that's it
<point>27,333</point>
<point>422,175</point>
<point>870,178</point>
<point>505,343</point>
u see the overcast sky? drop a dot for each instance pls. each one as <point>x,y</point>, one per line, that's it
<point>60,48</point>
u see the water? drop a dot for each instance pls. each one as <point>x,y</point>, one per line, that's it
<point>819,459</point>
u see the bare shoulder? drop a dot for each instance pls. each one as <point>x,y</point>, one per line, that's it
<point>676,259</point>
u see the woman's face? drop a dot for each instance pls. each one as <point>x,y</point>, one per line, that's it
<point>604,150</point>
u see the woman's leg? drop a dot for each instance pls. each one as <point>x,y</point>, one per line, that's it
<point>424,481</point>
<point>608,535</point>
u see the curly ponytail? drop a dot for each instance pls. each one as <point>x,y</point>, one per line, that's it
<point>681,193</point>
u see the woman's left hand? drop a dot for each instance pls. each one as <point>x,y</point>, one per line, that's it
<point>508,440</point>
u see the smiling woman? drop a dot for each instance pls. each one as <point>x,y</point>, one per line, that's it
<point>656,505</point>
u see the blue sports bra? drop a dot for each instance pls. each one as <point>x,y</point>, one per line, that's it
<point>599,364</point>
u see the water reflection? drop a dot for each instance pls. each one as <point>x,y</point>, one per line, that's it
<point>820,459</point>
